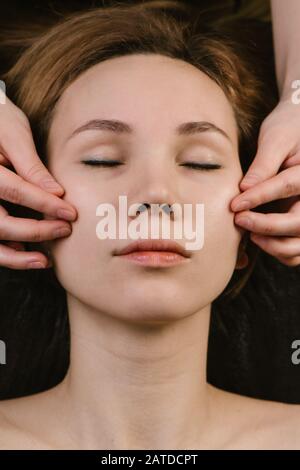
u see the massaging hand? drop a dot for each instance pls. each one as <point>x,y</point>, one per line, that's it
<point>32,186</point>
<point>278,150</point>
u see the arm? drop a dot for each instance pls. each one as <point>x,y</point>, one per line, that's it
<point>286,40</point>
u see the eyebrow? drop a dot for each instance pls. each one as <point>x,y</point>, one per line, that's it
<point>120,127</point>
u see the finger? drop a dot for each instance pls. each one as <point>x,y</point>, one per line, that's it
<point>19,229</point>
<point>291,161</point>
<point>13,259</point>
<point>270,224</point>
<point>14,189</point>
<point>283,247</point>
<point>13,244</point>
<point>267,161</point>
<point>21,152</point>
<point>283,185</point>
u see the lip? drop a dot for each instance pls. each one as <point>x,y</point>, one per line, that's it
<point>155,259</point>
<point>168,247</point>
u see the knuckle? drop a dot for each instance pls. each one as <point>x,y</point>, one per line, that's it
<point>35,170</point>
<point>11,193</point>
<point>37,234</point>
<point>268,224</point>
<point>290,188</point>
<point>3,231</point>
<point>268,229</point>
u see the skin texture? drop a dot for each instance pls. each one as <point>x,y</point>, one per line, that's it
<point>139,336</point>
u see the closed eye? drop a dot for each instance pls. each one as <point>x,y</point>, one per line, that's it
<point>107,163</point>
<point>192,165</point>
<point>202,166</point>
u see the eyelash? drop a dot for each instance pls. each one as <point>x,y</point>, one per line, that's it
<point>192,165</point>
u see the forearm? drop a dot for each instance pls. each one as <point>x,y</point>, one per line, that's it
<point>286,39</point>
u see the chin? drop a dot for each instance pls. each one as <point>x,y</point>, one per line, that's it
<point>156,311</point>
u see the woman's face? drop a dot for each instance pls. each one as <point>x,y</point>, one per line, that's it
<point>153,94</point>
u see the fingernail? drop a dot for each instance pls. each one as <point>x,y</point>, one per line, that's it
<point>51,185</point>
<point>245,221</point>
<point>66,214</point>
<point>242,206</point>
<point>62,231</point>
<point>35,265</point>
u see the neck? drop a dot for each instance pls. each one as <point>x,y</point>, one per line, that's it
<point>132,385</point>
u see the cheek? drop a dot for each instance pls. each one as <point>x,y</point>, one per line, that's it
<point>82,255</point>
<point>222,236</point>
<point>217,259</point>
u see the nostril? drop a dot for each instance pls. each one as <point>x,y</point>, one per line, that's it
<point>143,207</point>
<point>167,208</point>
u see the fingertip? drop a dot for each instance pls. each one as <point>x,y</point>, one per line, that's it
<point>244,186</point>
<point>247,183</point>
<point>234,203</point>
<point>251,178</point>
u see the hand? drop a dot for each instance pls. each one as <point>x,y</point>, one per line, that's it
<point>274,174</point>
<point>34,187</point>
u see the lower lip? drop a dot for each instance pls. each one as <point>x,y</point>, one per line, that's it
<point>155,258</point>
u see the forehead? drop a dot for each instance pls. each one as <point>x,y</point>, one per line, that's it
<point>154,92</point>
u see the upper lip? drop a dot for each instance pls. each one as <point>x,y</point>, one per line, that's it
<point>153,245</point>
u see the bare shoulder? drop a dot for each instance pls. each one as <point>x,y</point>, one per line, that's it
<point>24,423</point>
<point>261,424</point>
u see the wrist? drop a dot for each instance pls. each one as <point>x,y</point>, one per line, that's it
<point>287,84</point>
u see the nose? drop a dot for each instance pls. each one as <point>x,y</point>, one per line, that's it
<point>155,186</point>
